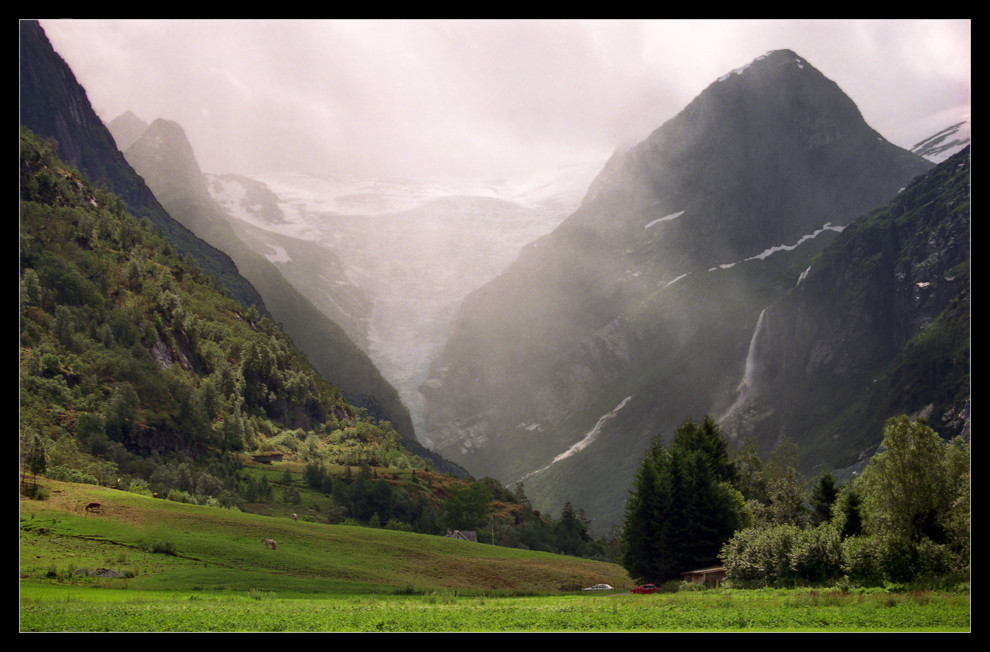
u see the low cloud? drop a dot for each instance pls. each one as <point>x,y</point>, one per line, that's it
<point>454,99</point>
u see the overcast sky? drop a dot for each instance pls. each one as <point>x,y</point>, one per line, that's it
<point>432,99</point>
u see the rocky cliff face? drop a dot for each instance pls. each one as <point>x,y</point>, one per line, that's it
<point>878,325</point>
<point>652,289</point>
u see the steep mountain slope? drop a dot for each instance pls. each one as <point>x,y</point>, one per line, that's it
<point>878,325</point>
<point>315,269</point>
<point>638,310</point>
<point>412,250</point>
<point>164,157</point>
<point>134,365</point>
<point>945,143</point>
<point>54,105</point>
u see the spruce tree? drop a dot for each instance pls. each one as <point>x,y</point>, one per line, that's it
<point>683,506</point>
<point>823,497</point>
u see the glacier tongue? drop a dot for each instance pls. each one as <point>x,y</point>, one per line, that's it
<point>415,249</point>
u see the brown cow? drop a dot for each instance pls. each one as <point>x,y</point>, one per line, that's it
<point>93,507</point>
<point>269,543</point>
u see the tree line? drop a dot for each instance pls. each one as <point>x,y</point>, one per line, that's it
<point>498,515</point>
<point>694,504</point>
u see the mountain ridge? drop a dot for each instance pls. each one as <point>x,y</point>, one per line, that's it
<point>643,292</point>
<point>53,104</point>
<point>165,158</point>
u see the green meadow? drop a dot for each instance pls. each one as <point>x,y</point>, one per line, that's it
<point>152,565</point>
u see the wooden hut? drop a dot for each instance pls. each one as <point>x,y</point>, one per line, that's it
<point>708,576</point>
<point>467,535</point>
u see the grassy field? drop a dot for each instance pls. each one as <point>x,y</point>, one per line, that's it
<point>147,565</point>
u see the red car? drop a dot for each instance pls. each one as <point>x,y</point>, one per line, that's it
<point>645,588</point>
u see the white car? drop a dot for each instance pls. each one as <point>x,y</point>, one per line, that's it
<point>598,587</point>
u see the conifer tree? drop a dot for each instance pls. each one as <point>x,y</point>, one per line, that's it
<point>683,506</point>
<point>823,497</point>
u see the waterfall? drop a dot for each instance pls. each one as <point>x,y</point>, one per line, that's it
<point>745,386</point>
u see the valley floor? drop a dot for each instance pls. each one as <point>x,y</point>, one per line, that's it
<point>51,608</point>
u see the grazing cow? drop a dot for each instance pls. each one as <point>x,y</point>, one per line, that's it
<point>269,543</point>
<point>295,518</point>
<point>93,507</point>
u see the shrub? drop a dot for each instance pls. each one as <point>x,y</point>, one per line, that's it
<point>883,558</point>
<point>761,555</point>
<point>65,474</point>
<point>862,560</point>
<point>139,487</point>
<point>163,547</point>
<point>395,524</point>
<point>180,496</point>
<point>817,554</point>
<point>258,594</point>
<point>896,559</point>
<point>34,491</point>
<point>931,559</point>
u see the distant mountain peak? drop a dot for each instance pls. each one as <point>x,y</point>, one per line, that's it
<point>126,129</point>
<point>164,146</point>
<point>629,296</point>
<point>786,124</point>
<point>773,57</point>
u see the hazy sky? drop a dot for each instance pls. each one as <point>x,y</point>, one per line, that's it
<point>480,99</point>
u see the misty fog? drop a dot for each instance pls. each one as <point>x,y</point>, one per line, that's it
<point>412,251</point>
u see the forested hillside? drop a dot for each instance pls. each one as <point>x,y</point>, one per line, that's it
<point>138,372</point>
<point>54,105</point>
<point>133,359</point>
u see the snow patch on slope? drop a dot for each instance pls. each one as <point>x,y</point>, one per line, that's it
<point>766,253</point>
<point>665,218</point>
<point>585,441</point>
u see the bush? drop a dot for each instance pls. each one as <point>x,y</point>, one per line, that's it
<point>817,554</point>
<point>34,491</point>
<point>180,496</point>
<point>896,559</point>
<point>163,548</point>
<point>872,560</point>
<point>761,555</point>
<point>395,524</point>
<point>931,559</point>
<point>862,560</point>
<point>65,474</point>
<point>139,487</point>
